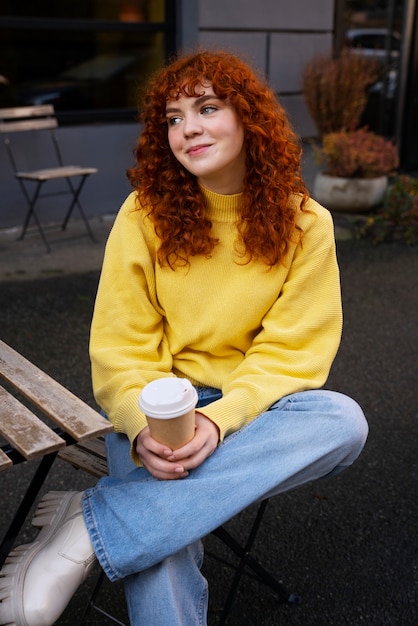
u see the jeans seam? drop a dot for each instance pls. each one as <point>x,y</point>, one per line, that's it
<point>202,604</point>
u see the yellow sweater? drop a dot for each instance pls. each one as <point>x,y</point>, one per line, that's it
<point>256,333</point>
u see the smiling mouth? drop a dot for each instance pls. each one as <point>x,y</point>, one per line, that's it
<point>196,150</point>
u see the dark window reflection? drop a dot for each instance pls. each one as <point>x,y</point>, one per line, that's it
<point>373,28</point>
<point>81,56</point>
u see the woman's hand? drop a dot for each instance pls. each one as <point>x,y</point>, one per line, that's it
<point>166,464</point>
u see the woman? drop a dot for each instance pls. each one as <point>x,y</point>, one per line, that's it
<point>219,269</point>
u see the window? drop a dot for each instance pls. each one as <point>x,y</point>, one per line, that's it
<point>87,57</point>
<point>372,28</point>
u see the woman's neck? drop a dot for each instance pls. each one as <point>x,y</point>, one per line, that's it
<point>222,207</point>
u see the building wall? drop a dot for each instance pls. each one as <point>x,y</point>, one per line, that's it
<point>276,35</point>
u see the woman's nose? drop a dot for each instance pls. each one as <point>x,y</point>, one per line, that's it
<point>191,126</point>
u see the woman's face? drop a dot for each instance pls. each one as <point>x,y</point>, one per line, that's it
<point>207,138</point>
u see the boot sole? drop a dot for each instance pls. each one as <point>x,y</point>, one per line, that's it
<point>50,511</point>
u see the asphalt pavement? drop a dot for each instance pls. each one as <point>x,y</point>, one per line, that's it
<point>348,545</point>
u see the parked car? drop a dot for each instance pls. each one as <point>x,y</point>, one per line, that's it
<point>382,45</point>
<point>376,43</point>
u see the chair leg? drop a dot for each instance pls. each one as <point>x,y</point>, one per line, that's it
<point>75,201</point>
<point>31,212</point>
<point>247,560</point>
<point>91,605</point>
<point>29,498</point>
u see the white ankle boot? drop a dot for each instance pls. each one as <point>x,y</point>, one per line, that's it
<point>39,579</point>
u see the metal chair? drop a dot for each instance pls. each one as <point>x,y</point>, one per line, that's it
<point>247,565</point>
<point>36,119</point>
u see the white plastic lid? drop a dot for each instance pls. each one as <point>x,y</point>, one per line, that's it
<point>166,398</point>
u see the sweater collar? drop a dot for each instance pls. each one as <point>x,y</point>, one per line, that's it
<point>221,207</point>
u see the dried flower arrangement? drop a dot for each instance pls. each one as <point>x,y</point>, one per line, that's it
<point>357,154</point>
<point>335,90</point>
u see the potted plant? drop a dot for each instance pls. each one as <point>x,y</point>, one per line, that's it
<point>356,162</point>
<point>335,89</point>
<point>357,165</point>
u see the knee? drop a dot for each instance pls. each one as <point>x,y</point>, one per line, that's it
<point>349,421</point>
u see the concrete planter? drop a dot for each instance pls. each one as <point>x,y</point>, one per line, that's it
<point>349,195</point>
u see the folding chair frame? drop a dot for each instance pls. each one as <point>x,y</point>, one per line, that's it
<point>246,562</point>
<point>41,118</point>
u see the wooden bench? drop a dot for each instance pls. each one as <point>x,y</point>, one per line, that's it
<point>26,432</point>
<point>39,418</point>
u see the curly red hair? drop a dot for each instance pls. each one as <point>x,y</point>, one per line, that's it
<point>177,209</point>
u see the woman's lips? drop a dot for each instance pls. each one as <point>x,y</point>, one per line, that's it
<point>197,150</point>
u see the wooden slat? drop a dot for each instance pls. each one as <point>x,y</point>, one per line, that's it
<point>31,111</point>
<point>19,119</point>
<point>24,431</point>
<point>63,407</point>
<point>18,126</point>
<point>5,462</point>
<point>57,172</point>
<point>94,446</point>
<point>89,457</point>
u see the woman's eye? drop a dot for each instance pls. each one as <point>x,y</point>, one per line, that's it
<point>172,121</point>
<point>208,108</point>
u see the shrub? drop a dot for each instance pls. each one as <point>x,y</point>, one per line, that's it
<point>357,154</point>
<point>398,219</point>
<point>335,90</point>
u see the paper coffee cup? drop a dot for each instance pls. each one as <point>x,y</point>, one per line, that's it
<point>169,406</point>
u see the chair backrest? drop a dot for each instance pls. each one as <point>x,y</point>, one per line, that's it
<point>18,119</point>
<point>34,119</point>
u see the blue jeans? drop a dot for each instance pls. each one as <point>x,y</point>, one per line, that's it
<point>148,531</point>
